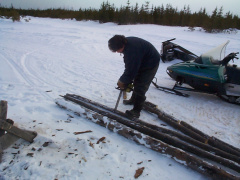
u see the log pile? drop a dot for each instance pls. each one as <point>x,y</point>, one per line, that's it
<point>8,132</point>
<point>188,147</point>
<point>191,131</point>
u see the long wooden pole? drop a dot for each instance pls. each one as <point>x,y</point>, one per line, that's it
<point>177,154</point>
<point>158,135</point>
<point>191,131</point>
<point>171,133</point>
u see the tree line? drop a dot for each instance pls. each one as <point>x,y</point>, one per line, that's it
<point>144,14</point>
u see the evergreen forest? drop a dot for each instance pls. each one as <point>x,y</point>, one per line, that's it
<point>138,14</point>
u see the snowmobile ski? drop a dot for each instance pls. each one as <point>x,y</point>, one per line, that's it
<point>168,90</point>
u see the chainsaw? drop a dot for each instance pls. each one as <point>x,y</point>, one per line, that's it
<point>124,91</point>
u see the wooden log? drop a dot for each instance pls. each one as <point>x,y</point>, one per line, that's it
<point>3,113</point>
<point>3,109</point>
<point>180,136</point>
<point>176,154</point>
<point>7,140</point>
<point>192,141</point>
<point>88,131</point>
<point>26,135</point>
<point>211,140</point>
<point>216,151</point>
<point>176,124</point>
<point>158,135</point>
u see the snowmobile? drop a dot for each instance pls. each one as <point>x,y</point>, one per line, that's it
<point>209,73</point>
<point>171,51</point>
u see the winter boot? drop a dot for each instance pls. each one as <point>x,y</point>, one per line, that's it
<point>137,107</point>
<point>130,101</point>
<point>132,113</point>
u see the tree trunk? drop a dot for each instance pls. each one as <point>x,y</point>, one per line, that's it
<point>26,135</point>
<point>191,131</point>
<point>157,145</point>
<point>161,132</point>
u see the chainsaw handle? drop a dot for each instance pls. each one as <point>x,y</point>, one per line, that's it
<point>128,88</point>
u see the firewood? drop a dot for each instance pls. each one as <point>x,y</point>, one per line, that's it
<point>139,172</point>
<point>76,133</point>
<point>177,154</point>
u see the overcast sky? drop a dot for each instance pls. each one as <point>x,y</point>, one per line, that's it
<point>228,5</point>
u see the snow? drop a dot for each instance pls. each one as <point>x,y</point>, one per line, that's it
<point>44,58</point>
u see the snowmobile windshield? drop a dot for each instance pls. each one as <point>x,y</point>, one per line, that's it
<point>217,53</point>
<point>206,60</point>
<point>213,56</point>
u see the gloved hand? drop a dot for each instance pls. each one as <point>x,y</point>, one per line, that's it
<point>121,85</point>
<point>129,87</point>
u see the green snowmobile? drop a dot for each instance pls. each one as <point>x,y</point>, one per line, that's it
<point>209,73</point>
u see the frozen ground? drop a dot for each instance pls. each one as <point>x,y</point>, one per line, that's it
<point>44,58</point>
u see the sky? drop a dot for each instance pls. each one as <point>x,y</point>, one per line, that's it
<point>195,5</point>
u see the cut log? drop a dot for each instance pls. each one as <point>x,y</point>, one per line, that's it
<point>172,122</point>
<point>211,140</point>
<point>7,140</point>
<point>158,135</point>
<point>26,135</point>
<point>192,141</point>
<point>76,133</point>
<point>3,109</point>
<point>159,146</point>
<point>191,131</point>
<point>13,133</point>
<point>216,151</point>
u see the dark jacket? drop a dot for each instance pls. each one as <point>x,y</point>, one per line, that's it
<point>139,55</point>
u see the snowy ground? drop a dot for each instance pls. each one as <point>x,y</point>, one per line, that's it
<point>44,58</point>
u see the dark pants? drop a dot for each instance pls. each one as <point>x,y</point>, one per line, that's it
<point>141,85</point>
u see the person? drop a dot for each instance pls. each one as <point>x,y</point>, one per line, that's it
<point>141,64</point>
